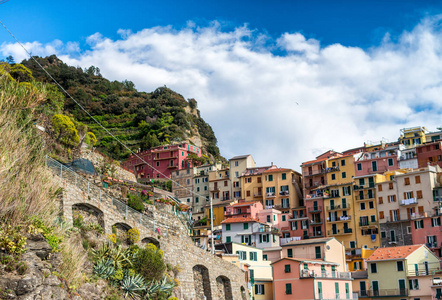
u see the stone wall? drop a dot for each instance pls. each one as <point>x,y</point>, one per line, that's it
<point>167,229</point>
<point>403,237</point>
<point>97,159</point>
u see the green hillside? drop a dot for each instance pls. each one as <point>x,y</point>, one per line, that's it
<point>140,119</point>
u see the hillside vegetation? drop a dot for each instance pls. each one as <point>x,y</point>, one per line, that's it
<point>142,120</point>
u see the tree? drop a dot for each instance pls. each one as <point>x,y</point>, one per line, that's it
<point>150,141</point>
<point>194,160</point>
<point>65,130</point>
<point>10,60</point>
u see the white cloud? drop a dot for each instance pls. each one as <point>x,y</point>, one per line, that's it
<point>281,109</point>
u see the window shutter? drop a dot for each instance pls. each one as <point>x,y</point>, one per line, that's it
<point>256,289</point>
<point>412,195</point>
<point>391,215</point>
<point>398,215</point>
<point>260,238</point>
<point>242,239</point>
<point>268,240</point>
<point>421,210</point>
<point>263,291</point>
<point>405,195</point>
<point>381,215</point>
<point>419,194</point>
<point>381,200</point>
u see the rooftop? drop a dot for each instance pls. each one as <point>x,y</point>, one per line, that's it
<point>274,170</point>
<point>309,241</point>
<point>392,253</point>
<point>243,203</point>
<point>239,220</point>
<point>240,157</point>
<point>307,260</point>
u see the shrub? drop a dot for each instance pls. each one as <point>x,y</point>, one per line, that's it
<point>21,268</point>
<point>12,240</point>
<point>135,202</point>
<point>78,221</point>
<point>133,235</point>
<point>149,263</point>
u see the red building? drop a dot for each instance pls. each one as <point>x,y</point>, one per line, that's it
<point>428,231</point>
<point>377,160</point>
<point>429,153</point>
<point>164,159</point>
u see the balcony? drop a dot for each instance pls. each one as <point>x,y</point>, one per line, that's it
<point>362,187</point>
<point>340,219</point>
<point>332,195</point>
<point>377,170</point>
<point>313,173</point>
<point>340,232</point>
<point>313,196</point>
<point>298,217</point>
<point>406,202</point>
<point>338,207</point>
<point>165,157</point>
<point>384,293</point>
<point>315,209</point>
<point>368,224</point>
<point>270,195</point>
<point>237,212</point>
<point>432,245</point>
<point>257,195</point>
<point>335,274</point>
<point>315,222</point>
<point>365,197</point>
<point>172,166</point>
<point>356,253</point>
<point>332,169</point>
<point>215,188</point>
<point>284,193</point>
<point>313,184</point>
<point>267,229</point>
<point>280,206</point>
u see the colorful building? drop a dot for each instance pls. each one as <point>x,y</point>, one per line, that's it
<point>403,272</point>
<point>239,165</point>
<point>165,159</point>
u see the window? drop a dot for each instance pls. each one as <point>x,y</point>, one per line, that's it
<point>320,290</point>
<point>158,163</point>
<point>392,236</point>
<point>248,179</point>
<point>288,288</point>
<point>383,234</point>
<point>373,268</point>
<point>253,256</point>
<point>417,179</point>
<point>259,289</point>
<point>289,252</point>
<point>371,205</point>
<point>268,219</point>
<point>400,266</point>
<point>361,195</point>
<point>236,163</point>
<point>381,200</point>
<point>225,183</point>
<point>287,269</point>
<point>390,185</point>
<point>419,195</point>
<point>380,187</point>
<point>408,195</point>
<point>359,167</point>
<point>337,288</point>
<point>242,255</point>
<point>435,222</point>
<point>407,181</point>
<point>342,162</point>
<point>227,227</point>
<point>374,166</point>
<point>344,175</point>
<point>352,244</point>
<point>381,215</point>
<point>362,205</point>
<point>284,176</point>
<point>418,224</point>
<point>196,200</point>
<point>248,193</point>
<point>414,284</point>
<point>283,218</point>
<point>228,239</point>
<point>305,266</point>
<point>264,257</point>
<point>392,198</point>
<point>270,177</point>
<point>346,190</point>
<point>390,162</point>
<point>246,225</point>
<point>197,188</point>
<point>333,176</point>
<point>236,174</point>
<point>373,218</point>
<point>318,252</point>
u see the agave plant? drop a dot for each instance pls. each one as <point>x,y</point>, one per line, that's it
<point>133,286</point>
<point>157,287</point>
<point>104,269</point>
<point>102,252</point>
<point>121,257</point>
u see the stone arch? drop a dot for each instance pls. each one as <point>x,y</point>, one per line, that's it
<point>224,288</point>
<point>89,213</point>
<point>243,293</point>
<point>151,240</point>
<point>120,230</point>
<point>202,282</point>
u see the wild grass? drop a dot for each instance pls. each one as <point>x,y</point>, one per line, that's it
<point>27,187</point>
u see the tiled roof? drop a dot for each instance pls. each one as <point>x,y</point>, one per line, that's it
<point>274,170</point>
<point>391,253</point>
<point>240,156</point>
<point>313,161</point>
<point>239,220</point>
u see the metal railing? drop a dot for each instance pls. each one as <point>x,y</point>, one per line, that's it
<point>384,293</point>
<point>317,274</point>
<point>91,189</point>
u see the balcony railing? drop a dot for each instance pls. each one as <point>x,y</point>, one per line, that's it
<point>296,217</point>
<point>238,212</point>
<point>283,193</point>
<point>340,231</point>
<point>384,293</point>
<point>335,274</point>
<point>367,223</point>
<point>270,195</point>
<point>314,184</point>
<point>316,222</point>
<point>338,207</point>
<point>332,169</point>
<point>313,173</point>
<point>315,209</point>
<point>411,201</point>
<point>340,219</point>
<point>370,185</point>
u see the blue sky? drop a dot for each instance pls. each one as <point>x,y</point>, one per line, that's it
<point>281,80</point>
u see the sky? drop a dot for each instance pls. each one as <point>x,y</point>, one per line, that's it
<point>283,81</point>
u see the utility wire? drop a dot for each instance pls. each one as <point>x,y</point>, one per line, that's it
<point>95,120</point>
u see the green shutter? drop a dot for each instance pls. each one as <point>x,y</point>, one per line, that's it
<point>274,238</point>
<point>228,239</point>
<point>246,225</point>
<point>256,289</point>
<point>260,238</point>
<point>268,219</point>
<point>242,239</point>
<point>268,237</point>
<point>227,227</point>
<point>263,291</point>
<point>320,290</point>
<point>289,252</point>
<point>337,288</point>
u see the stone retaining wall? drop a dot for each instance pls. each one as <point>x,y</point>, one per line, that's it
<point>171,234</point>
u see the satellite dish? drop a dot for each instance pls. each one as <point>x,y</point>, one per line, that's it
<point>327,247</point>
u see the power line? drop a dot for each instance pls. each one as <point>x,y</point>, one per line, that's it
<point>95,120</point>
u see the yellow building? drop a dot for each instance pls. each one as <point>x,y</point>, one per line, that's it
<point>413,136</point>
<point>366,214</point>
<point>357,261</point>
<point>338,200</point>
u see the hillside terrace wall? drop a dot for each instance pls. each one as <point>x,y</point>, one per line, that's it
<point>163,226</point>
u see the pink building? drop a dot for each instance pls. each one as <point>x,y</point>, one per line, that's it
<point>164,159</point>
<point>428,231</point>
<point>429,154</point>
<point>243,209</point>
<point>377,160</point>
<point>274,218</point>
<point>299,278</point>
<point>298,223</point>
